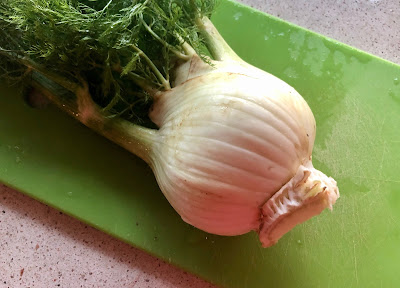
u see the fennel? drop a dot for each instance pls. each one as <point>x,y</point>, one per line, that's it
<point>230,145</point>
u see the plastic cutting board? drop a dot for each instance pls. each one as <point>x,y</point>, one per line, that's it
<point>356,101</point>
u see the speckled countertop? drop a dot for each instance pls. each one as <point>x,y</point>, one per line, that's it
<point>41,247</point>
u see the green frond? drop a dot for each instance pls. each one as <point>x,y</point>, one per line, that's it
<point>96,40</point>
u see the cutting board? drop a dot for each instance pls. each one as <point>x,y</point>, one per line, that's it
<point>356,101</point>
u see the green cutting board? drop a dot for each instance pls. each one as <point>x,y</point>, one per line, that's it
<point>356,101</point>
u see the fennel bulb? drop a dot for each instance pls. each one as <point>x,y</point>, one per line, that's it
<point>231,150</point>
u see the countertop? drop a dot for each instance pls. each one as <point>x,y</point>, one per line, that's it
<point>41,247</point>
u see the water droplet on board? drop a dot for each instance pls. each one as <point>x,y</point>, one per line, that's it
<point>237,16</point>
<point>396,81</point>
<point>69,194</point>
<point>299,242</point>
<point>18,159</point>
<point>291,72</point>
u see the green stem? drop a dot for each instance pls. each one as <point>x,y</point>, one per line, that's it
<point>190,52</point>
<point>142,83</point>
<point>179,54</point>
<point>216,44</point>
<point>160,77</point>
<point>113,101</point>
<point>32,66</point>
<point>105,7</point>
<point>52,90</point>
<point>134,138</point>
<point>70,86</point>
<point>139,80</point>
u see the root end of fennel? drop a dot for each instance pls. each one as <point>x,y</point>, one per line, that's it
<point>306,195</point>
<point>232,146</point>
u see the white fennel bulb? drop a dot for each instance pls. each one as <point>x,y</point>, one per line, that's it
<point>233,143</point>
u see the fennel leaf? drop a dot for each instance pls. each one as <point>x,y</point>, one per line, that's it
<point>121,48</point>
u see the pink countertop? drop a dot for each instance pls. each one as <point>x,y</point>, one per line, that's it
<point>41,247</point>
